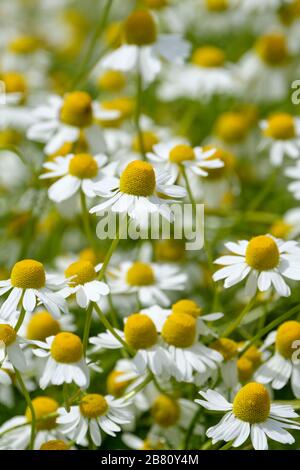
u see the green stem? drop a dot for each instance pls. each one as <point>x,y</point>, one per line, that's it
<point>66,397</point>
<point>191,428</point>
<point>188,187</point>
<point>30,406</point>
<point>87,327</point>
<point>138,111</point>
<point>226,446</point>
<point>207,445</point>
<point>108,256</point>
<point>21,318</point>
<point>239,319</point>
<point>139,388</point>
<point>86,222</point>
<point>266,188</point>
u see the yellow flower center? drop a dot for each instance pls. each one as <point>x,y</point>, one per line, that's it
<point>245,369</point>
<point>43,406</point>
<point>179,330</point>
<point>66,348</point>
<point>225,346</point>
<point>77,109</point>
<point>140,274</point>
<point>169,250</point>
<point>138,179</point>
<point>287,333</point>
<point>281,126</point>
<point>149,140</point>
<point>112,80</point>
<point>281,229</point>
<point>181,153</point>
<point>7,334</point>
<point>10,137</point>
<point>83,165</point>
<point>140,331</point>
<point>88,255</point>
<point>125,106</point>
<point>165,411</point>
<point>216,5</point>
<point>140,28</point>
<point>115,385</point>
<point>14,82</point>
<point>80,272</point>
<point>55,445</point>
<point>253,355</point>
<point>226,157</point>
<point>252,403</point>
<point>272,49</point>
<point>232,127</point>
<point>262,253</point>
<point>113,34</point>
<point>28,274</point>
<point>93,406</point>
<point>24,44</point>
<point>188,307</point>
<point>208,56</point>
<point>42,325</point>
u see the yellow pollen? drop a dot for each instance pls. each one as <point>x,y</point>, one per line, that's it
<point>28,274</point>
<point>188,307</point>
<point>66,348</point>
<point>55,445</point>
<point>140,274</point>
<point>93,406</point>
<point>112,80</point>
<point>43,406</point>
<point>140,331</point>
<point>253,355</point>
<point>138,179</point>
<point>272,49</point>
<point>83,165</point>
<point>226,157</point>
<point>7,334</point>
<point>179,330</point>
<point>252,403</point>
<point>165,411</point>
<point>245,369</point>
<point>77,109</point>
<point>216,5</point>
<point>225,346</point>
<point>24,44</point>
<point>115,385</point>
<point>42,325</point>
<point>281,126</point>
<point>80,272</point>
<point>14,82</point>
<point>232,127</point>
<point>181,153</point>
<point>262,253</point>
<point>140,28</point>
<point>169,250</point>
<point>209,57</point>
<point>149,140</point>
<point>287,333</point>
<point>281,229</point>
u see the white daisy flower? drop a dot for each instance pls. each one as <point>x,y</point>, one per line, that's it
<point>265,260</point>
<point>74,173</point>
<point>294,173</point>
<point>37,326</point>
<point>250,414</point>
<point>94,414</point>
<point>6,388</point>
<point>136,443</point>
<point>288,227</point>
<point>281,367</point>
<point>137,192</point>
<point>252,6</point>
<point>141,335</point>
<point>11,346</point>
<point>30,283</point>
<point>149,281</point>
<point>62,120</point>
<point>82,277</point>
<point>143,47</point>
<point>282,135</point>
<point>65,363</point>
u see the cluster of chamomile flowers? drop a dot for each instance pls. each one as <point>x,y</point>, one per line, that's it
<point>143,344</point>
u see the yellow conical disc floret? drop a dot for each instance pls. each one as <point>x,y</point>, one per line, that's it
<point>189,307</point>
<point>149,140</point>
<point>140,331</point>
<point>14,82</point>
<point>140,274</point>
<point>55,445</point>
<point>281,229</point>
<point>232,127</point>
<point>93,406</point>
<point>252,403</point>
<point>181,153</point>
<point>7,334</point>
<point>76,109</point>
<point>41,326</point>
<point>83,165</point>
<point>165,411</point>
<point>138,179</point>
<point>125,107</point>
<point>209,57</point>
<point>287,334</point>
<point>169,250</point>
<point>112,80</point>
<point>140,28</point>
<point>262,253</point>
<point>254,355</point>
<point>225,346</point>
<point>28,274</point>
<point>43,406</point>
<point>245,369</point>
<point>226,157</point>
<point>66,348</point>
<point>216,5</point>
<point>179,330</point>
<point>115,384</point>
<point>24,44</point>
<point>80,272</point>
<point>280,126</point>
<point>272,49</point>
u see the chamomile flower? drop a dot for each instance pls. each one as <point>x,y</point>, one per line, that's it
<point>282,135</point>
<point>65,362</point>
<point>252,6</point>
<point>37,326</point>
<point>28,284</point>
<point>288,227</point>
<point>143,47</point>
<point>149,281</point>
<point>94,415</point>
<point>75,173</point>
<point>11,346</point>
<point>251,414</point>
<point>6,387</point>
<point>266,261</point>
<point>82,276</point>
<point>136,443</point>
<point>280,367</point>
